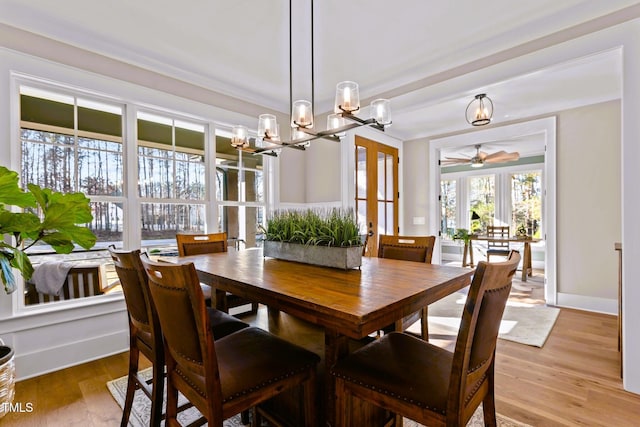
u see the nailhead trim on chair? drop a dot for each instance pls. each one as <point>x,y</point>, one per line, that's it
<point>388,393</point>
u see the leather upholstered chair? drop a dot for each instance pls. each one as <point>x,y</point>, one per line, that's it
<point>197,244</point>
<point>221,377</point>
<point>409,248</point>
<point>423,382</point>
<point>145,334</point>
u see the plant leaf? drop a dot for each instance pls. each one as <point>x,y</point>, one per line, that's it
<point>10,191</point>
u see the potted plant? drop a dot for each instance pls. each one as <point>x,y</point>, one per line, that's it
<point>464,235</point>
<point>329,238</point>
<point>44,216</point>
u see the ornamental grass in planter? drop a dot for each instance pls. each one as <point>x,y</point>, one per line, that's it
<point>329,238</point>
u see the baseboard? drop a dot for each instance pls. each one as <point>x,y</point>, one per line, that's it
<point>55,358</point>
<point>581,302</point>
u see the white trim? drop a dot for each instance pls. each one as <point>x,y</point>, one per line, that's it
<point>581,302</point>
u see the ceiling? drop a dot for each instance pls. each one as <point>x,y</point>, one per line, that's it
<point>241,48</point>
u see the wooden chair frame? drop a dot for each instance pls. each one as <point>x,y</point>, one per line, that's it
<point>498,247</point>
<point>196,244</point>
<point>411,248</point>
<point>471,376</point>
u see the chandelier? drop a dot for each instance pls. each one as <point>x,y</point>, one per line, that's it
<point>343,118</point>
<point>480,110</point>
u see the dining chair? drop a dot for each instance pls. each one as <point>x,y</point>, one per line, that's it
<point>221,377</point>
<point>415,379</point>
<point>500,246</point>
<point>409,248</point>
<point>145,333</point>
<point>197,244</point>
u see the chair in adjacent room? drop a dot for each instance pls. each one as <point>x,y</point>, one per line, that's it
<point>221,377</point>
<point>415,379</point>
<point>500,246</point>
<point>145,334</point>
<point>82,281</point>
<point>409,248</point>
<point>197,244</point>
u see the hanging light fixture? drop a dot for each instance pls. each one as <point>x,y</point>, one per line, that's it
<point>346,106</point>
<point>480,110</point>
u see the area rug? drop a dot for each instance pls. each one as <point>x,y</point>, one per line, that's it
<point>142,409</point>
<point>525,325</point>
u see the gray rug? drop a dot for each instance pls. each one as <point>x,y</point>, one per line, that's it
<point>529,325</point>
<point>142,408</point>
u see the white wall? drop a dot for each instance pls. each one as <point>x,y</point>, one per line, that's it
<point>589,204</point>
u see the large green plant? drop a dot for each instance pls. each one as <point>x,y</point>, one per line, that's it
<point>334,227</point>
<point>47,216</point>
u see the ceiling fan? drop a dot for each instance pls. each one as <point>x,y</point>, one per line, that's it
<point>480,158</point>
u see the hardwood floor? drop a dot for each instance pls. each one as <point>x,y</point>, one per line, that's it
<point>573,380</point>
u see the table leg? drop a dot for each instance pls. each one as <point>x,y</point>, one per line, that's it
<point>464,254</point>
<point>526,261</point>
<point>470,254</point>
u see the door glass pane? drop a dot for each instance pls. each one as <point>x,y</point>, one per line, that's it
<point>448,207</point>
<point>361,172</point>
<point>390,225</point>
<point>361,207</point>
<point>253,186</point>
<point>382,220</point>
<point>482,193</point>
<point>381,176</point>
<point>389,177</point>
<point>526,199</point>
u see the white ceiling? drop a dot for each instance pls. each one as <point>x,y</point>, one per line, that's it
<point>241,48</point>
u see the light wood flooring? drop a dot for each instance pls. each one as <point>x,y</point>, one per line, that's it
<point>572,381</point>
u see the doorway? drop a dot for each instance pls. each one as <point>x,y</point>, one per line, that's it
<point>376,195</point>
<point>547,129</point>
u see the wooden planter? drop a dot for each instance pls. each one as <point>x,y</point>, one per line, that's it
<point>326,256</point>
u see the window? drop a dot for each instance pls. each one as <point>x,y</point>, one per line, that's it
<point>448,205</point>
<point>240,191</point>
<point>482,200</point>
<point>171,178</point>
<point>73,140</point>
<point>526,202</point>
<point>505,196</point>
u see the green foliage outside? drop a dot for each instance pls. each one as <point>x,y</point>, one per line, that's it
<point>334,227</point>
<point>48,216</point>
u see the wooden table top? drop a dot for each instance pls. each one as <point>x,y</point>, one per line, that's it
<point>351,302</point>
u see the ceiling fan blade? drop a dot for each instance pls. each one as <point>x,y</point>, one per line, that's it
<point>482,155</point>
<point>502,156</point>
<point>453,161</point>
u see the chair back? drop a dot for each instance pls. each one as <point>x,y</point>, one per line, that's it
<point>501,233</point>
<point>81,282</point>
<point>408,248</point>
<point>475,347</point>
<point>135,288</point>
<point>197,244</point>
<point>190,350</point>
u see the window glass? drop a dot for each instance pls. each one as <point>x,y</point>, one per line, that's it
<point>482,193</point>
<point>448,207</point>
<point>526,203</point>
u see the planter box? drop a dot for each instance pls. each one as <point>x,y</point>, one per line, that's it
<point>326,256</point>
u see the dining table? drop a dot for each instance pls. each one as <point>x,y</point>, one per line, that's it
<point>347,304</point>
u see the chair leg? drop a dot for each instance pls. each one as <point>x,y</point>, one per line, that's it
<point>310,400</point>
<point>254,307</point>
<point>489,403</point>
<point>134,355</point>
<point>244,417</point>
<point>343,404</point>
<point>157,393</point>
<point>172,404</point>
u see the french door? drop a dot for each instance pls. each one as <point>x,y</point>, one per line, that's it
<point>376,190</point>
